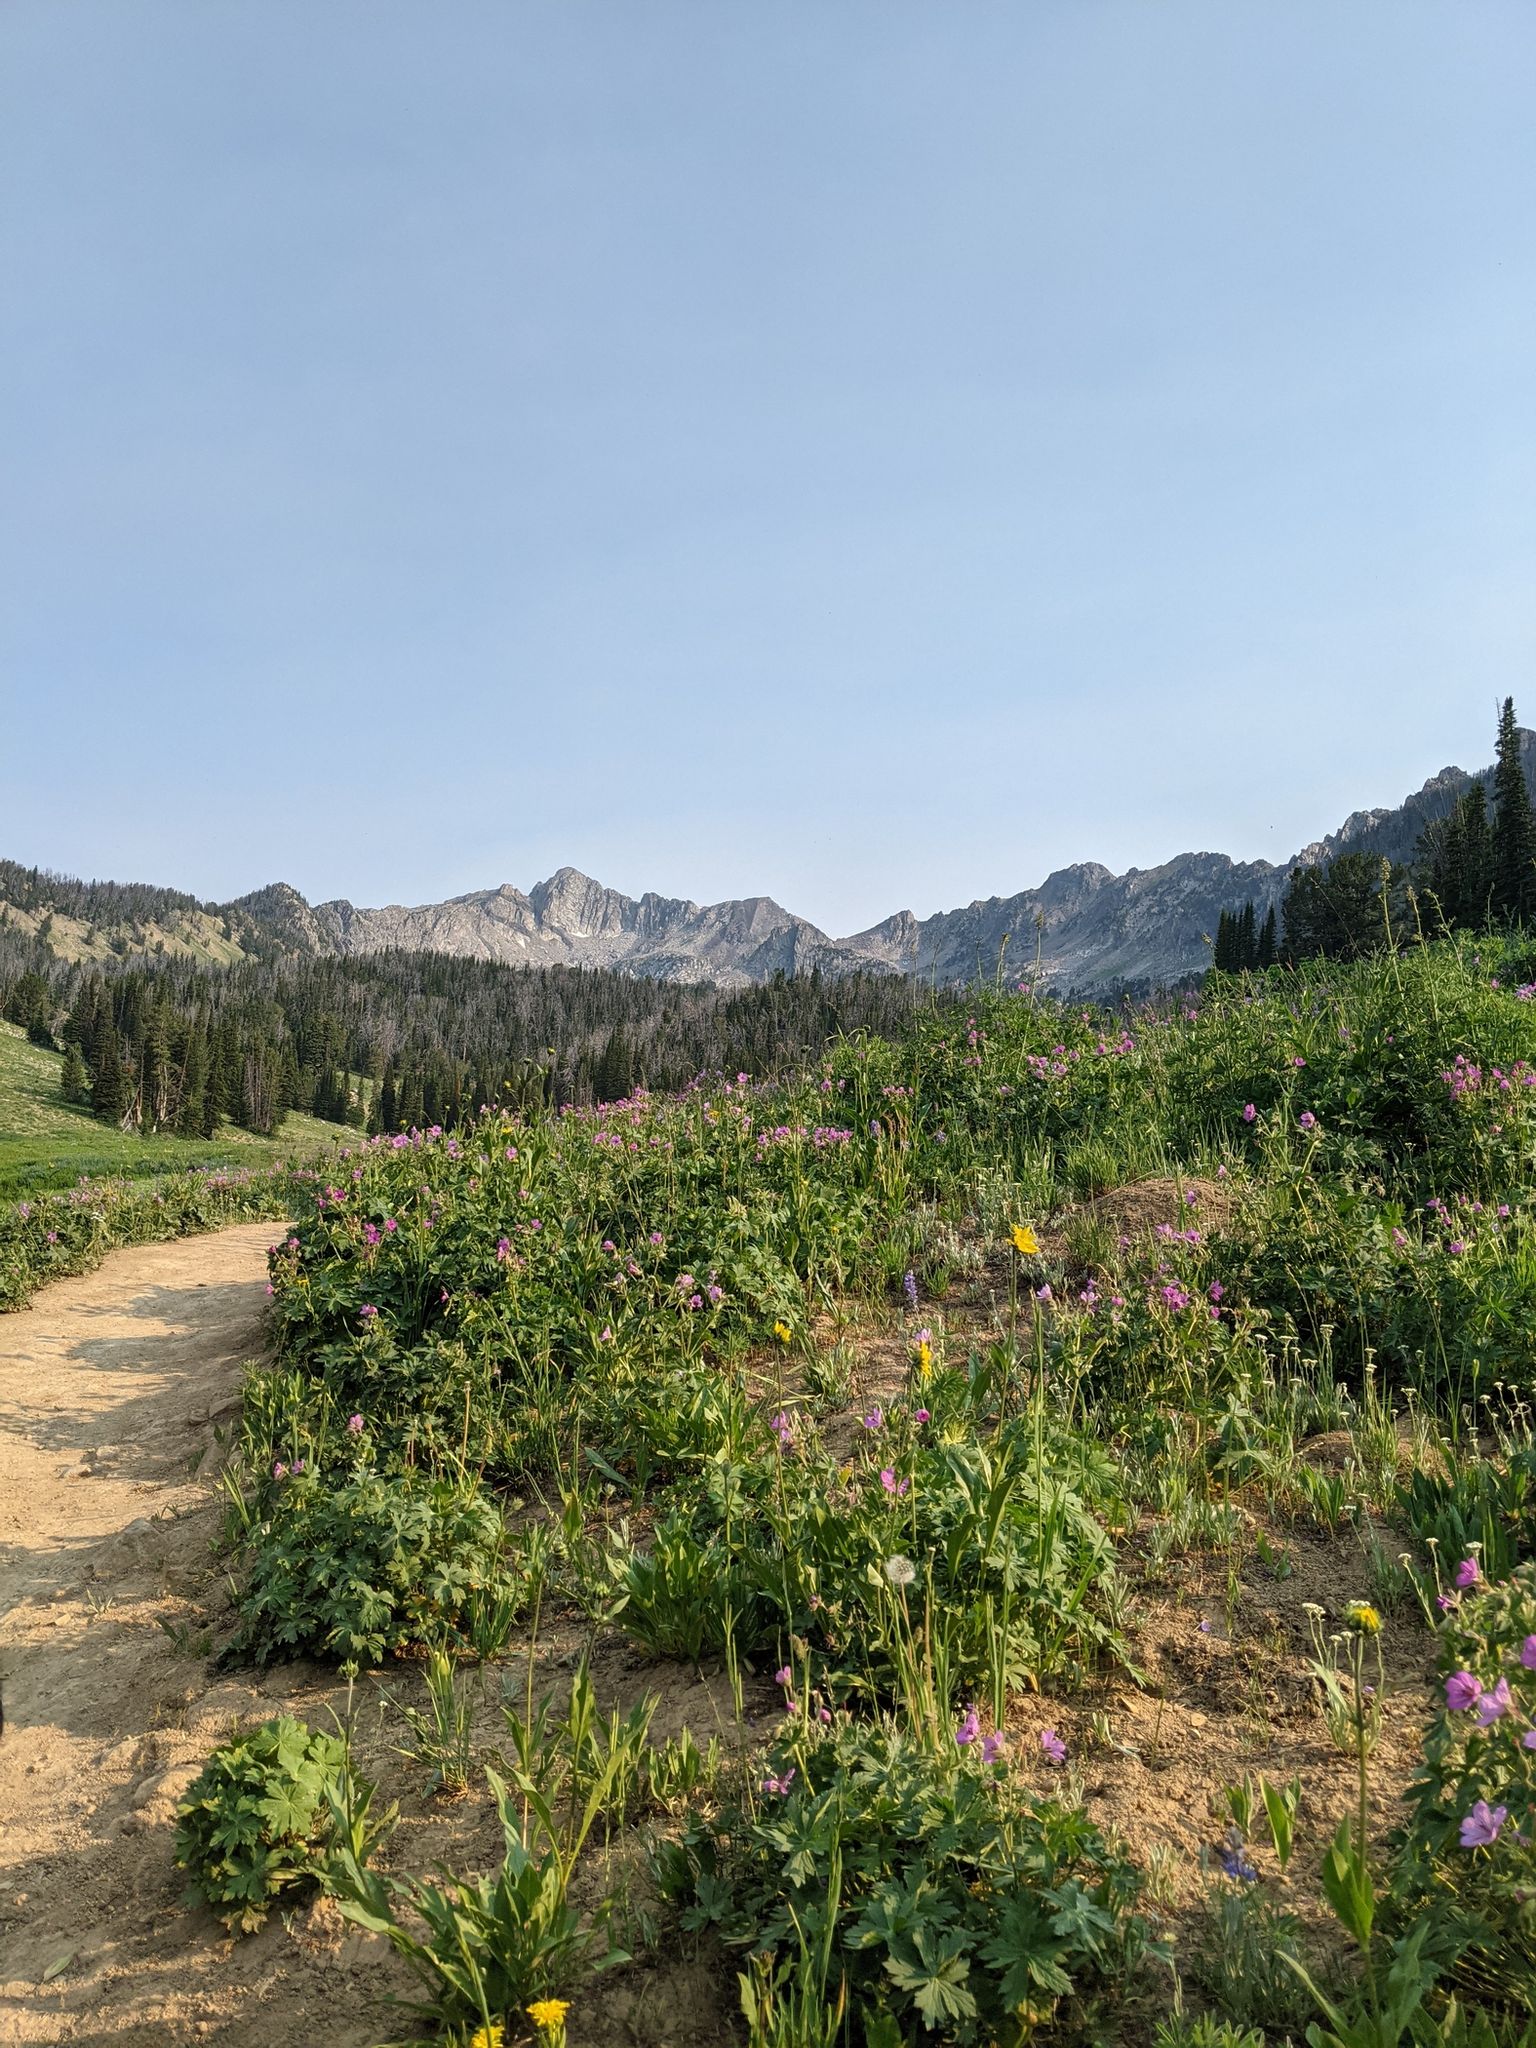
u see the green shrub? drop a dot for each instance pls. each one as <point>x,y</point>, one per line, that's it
<point>1489,1503</point>
<point>257,1826</point>
<point>482,1946</point>
<point>1000,1531</point>
<point>928,1889</point>
<point>1205,2031</point>
<point>354,1566</point>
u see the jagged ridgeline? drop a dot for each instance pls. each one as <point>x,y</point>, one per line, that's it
<point>171,1042</point>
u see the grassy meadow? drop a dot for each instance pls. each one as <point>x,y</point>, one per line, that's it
<point>48,1143</point>
<point>1026,1533</point>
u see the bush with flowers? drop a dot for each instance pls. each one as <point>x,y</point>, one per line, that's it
<point>1003,1514</point>
<point>915,1883</point>
<point>1468,1852</point>
<point>44,1237</point>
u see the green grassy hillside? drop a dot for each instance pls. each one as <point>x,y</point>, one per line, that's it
<point>46,1142</point>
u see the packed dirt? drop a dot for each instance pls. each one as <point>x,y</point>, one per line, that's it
<point>117,1392</point>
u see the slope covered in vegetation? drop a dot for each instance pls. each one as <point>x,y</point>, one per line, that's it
<point>919,1379</point>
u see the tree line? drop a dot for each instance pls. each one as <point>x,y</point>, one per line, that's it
<point>390,1040</point>
<point>1473,868</point>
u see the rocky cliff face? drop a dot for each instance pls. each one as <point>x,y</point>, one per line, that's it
<point>1089,929</point>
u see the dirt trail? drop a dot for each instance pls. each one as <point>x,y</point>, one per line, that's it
<point>112,1388</point>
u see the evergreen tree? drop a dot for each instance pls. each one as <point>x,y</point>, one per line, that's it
<point>1246,943</point>
<point>1474,883</point>
<point>1222,955</point>
<point>612,1077</point>
<point>192,1109</point>
<point>1265,953</point>
<point>109,1084</point>
<point>73,1079</point>
<point>151,1091</point>
<point>1337,911</point>
<point>1514,829</point>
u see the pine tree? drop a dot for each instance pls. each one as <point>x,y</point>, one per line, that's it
<point>1474,901</point>
<point>1246,947</point>
<point>389,1100</point>
<point>109,1087</point>
<point>74,1083</point>
<point>1514,829</point>
<point>1222,953</point>
<point>612,1078</point>
<point>1265,955</point>
<point>192,1110</point>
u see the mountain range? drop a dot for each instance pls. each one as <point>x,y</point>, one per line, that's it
<point>1093,930</point>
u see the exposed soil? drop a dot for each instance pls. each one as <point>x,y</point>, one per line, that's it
<point>115,1393</point>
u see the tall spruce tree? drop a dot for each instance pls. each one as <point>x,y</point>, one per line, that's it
<point>192,1109</point>
<point>1265,953</point>
<point>1514,830</point>
<point>109,1084</point>
<point>74,1084</point>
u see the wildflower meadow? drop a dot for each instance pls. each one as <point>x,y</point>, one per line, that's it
<point>931,1416</point>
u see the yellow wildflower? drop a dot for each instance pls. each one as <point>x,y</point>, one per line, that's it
<point>1360,1615</point>
<point>924,1360</point>
<point>1024,1241</point>
<point>845,1473</point>
<point>548,2015</point>
<point>783,1332</point>
<point>487,2037</point>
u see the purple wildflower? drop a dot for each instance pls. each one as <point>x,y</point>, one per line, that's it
<point>1482,1824</point>
<point>1462,1690</point>
<point>1467,1573</point>
<point>1053,1745</point>
<point>969,1728</point>
<point>1494,1705</point>
<point>355,1425</point>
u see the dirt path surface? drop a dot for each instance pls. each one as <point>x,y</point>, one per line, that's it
<point>113,1391</point>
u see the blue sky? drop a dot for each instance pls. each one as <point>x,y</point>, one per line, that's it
<point>866,454</point>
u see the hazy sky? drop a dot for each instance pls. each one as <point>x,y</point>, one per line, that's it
<point>867,454</point>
